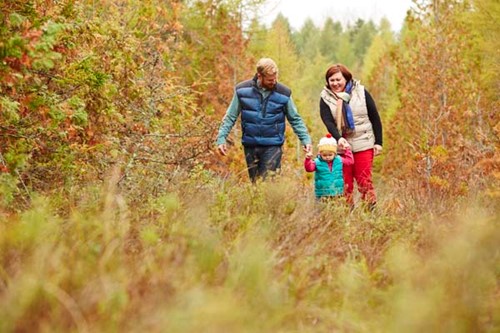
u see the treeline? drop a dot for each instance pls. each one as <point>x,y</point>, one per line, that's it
<point>137,89</point>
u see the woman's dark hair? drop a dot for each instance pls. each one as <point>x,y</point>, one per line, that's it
<point>338,68</point>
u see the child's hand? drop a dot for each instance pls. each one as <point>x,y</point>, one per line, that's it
<point>309,155</point>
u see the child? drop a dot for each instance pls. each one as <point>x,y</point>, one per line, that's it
<point>328,179</point>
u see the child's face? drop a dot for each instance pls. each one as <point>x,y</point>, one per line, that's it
<point>327,155</point>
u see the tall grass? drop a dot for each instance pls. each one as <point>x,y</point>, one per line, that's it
<point>224,256</point>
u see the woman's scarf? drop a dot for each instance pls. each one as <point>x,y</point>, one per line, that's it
<point>344,117</point>
<point>347,117</point>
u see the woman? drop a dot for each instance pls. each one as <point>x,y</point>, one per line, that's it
<point>350,115</point>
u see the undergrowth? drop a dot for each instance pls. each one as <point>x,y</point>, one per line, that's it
<point>227,256</point>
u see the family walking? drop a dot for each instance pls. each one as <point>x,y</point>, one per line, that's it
<point>345,154</point>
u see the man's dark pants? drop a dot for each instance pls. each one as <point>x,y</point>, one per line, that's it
<point>261,159</point>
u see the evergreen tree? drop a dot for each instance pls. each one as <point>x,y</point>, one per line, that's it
<point>307,40</point>
<point>439,122</point>
<point>379,71</point>
<point>330,40</point>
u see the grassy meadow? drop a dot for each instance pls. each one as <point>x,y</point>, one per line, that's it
<point>177,240</point>
<point>216,255</point>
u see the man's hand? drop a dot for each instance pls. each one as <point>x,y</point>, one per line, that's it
<point>307,148</point>
<point>377,149</point>
<point>222,149</point>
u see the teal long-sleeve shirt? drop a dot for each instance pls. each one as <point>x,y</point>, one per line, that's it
<point>292,115</point>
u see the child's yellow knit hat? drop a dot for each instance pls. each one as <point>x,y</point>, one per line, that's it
<point>327,143</point>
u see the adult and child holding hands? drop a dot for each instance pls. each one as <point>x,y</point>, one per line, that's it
<point>345,154</point>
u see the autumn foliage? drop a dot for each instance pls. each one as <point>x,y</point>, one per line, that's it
<point>446,129</point>
<point>88,87</point>
<point>117,214</point>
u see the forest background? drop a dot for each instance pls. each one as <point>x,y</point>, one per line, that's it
<point>118,215</point>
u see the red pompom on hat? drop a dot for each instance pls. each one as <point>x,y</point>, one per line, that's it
<point>327,143</point>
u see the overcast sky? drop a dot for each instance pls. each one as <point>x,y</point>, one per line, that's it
<point>345,11</point>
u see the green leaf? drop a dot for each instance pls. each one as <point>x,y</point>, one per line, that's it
<point>44,63</point>
<point>80,117</point>
<point>54,28</point>
<point>14,47</point>
<point>9,109</point>
<point>16,20</point>
<point>57,114</point>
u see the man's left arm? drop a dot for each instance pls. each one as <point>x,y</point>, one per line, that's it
<point>297,123</point>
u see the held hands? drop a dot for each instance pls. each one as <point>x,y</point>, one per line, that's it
<point>343,144</point>
<point>377,150</point>
<point>307,148</point>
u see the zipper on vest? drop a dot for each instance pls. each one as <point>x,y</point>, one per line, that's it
<point>264,105</point>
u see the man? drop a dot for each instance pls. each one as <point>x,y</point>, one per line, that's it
<point>264,104</point>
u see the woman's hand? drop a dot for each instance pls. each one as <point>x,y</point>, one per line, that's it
<point>377,149</point>
<point>343,144</point>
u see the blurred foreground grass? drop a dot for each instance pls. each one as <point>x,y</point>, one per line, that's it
<point>231,257</point>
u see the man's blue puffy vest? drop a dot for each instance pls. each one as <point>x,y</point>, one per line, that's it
<point>326,182</point>
<point>262,119</point>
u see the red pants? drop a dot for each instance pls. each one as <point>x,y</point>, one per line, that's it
<point>361,171</point>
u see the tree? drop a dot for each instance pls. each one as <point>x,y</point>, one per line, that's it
<point>330,40</point>
<point>345,52</point>
<point>307,40</point>
<point>360,37</point>
<point>436,125</point>
<point>86,89</point>
<point>279,46</point>
<point>379,71</point>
